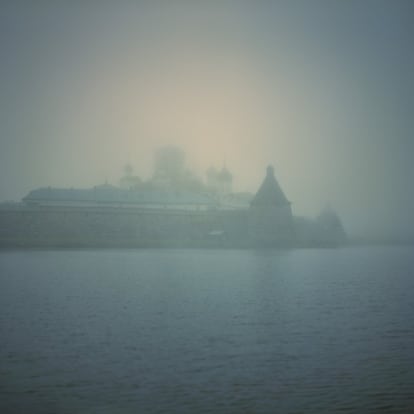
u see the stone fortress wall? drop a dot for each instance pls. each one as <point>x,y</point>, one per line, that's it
<point>66,218</point>
<point>65,227</point>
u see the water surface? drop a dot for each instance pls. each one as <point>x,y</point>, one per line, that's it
<point>217,331</point>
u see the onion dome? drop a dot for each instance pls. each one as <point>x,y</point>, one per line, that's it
<point>225,175</point>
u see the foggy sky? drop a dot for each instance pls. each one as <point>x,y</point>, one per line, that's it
<point>323,90</point>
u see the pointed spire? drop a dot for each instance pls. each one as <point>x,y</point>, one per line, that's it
<point>270,192</point>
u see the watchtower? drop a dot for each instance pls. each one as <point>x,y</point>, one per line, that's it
<point>270,214</point>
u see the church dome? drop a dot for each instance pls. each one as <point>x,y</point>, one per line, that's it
<point>225,175</point>
<point>211,172</point>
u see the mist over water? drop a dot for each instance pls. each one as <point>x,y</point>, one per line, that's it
<point>184,331</point>
<point>111,115</point>
<point>321,90</point>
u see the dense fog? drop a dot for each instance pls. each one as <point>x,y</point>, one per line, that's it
<point>321,90</point>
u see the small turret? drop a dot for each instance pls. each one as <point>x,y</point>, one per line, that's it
<point>219,181</point>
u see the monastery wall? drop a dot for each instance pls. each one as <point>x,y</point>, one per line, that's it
<point>65,227</point>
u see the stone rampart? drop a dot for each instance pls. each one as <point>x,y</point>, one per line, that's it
<point>65,227</point>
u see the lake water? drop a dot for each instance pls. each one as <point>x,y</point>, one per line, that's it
<point>207,331</point>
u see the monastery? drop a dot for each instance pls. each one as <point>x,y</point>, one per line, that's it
<point>159,214</point>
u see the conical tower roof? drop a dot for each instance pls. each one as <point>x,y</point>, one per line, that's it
<point>270,192</point>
